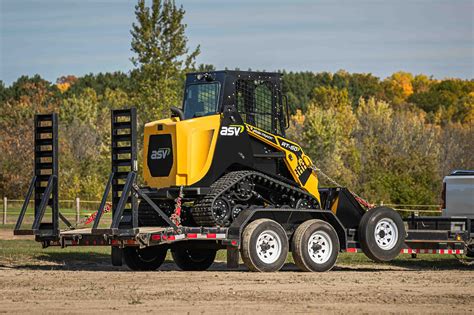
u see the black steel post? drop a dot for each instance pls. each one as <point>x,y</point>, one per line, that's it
<point>155,207</point>
<point>42,207</point>
<point>123,200</point>
<point>55,172</point>
<point>25,204</point>
<point>100,211</point>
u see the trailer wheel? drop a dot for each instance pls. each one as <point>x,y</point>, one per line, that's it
<point>195,259</point>
<point>264,246</point>
<point>315,246</point>
<point>381,234</point>
<point>144,259</point>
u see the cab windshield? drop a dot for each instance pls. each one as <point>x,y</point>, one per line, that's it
<point>201,99</point>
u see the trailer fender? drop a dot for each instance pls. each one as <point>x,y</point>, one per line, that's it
<point>289,218</point>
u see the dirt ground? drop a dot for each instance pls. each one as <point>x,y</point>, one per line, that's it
<point>96,287</point>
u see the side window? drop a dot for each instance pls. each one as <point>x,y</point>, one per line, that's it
<point>201,99</point>
<point>256,103</point>
<point>264,107</point>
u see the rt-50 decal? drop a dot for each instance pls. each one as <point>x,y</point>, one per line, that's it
<point>232,130</point>
<point>289,146</point>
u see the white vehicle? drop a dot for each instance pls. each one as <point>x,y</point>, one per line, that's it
<point>458,200</point>
<point>458,194</point>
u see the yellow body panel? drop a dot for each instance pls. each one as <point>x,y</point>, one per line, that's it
<point>296,160</point>
<point>335,205</point>
<point>193,145</point>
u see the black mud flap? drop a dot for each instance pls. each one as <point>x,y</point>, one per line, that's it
<point>116,256</point>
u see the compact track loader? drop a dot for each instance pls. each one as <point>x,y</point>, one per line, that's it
<point>227,148</point>
<point>220,174</point>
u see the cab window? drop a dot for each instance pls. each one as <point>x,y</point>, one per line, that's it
<point>201,99</point>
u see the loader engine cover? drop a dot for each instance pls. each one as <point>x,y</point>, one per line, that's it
<point>179,153</point>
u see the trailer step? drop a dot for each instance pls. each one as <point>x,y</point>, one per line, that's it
<point>123,162</point>
<point>44,154</point>
<point>44,141</point>
<point>41,130</point>
<point>123,124</point>
<point>121,150</point>
<point>122,137</point>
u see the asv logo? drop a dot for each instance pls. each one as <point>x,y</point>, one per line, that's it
<point>160,154</point>
<point>232,130</point>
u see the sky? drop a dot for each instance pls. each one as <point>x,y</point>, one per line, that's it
<point>61,37</point>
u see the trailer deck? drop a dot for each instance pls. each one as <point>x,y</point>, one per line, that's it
<point>453,244</point>
<point>143,236</point>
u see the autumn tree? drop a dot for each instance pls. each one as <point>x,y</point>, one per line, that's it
<point>25,97</point>
<point>63,83</point>
<point>3,93</point>
<point>100,82</point>
<point>161,56</point>
<point>327,134</point>
<point>399,155</point>
<point>456,147</point>
<point>391,140</point>
<point>447,101</point>
<point>397,88</point>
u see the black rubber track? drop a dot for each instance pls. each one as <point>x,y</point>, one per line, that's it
<point>148,217</point>
<point>202,210</point>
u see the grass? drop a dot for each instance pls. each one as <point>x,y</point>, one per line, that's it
<point>69,213</point>
<point>9,226</point>
<point>18,252</point>
<point>28,253</point>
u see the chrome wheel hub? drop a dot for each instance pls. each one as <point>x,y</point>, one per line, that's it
<point>268,247</point>
<point>386,234</point>
<point>319,247</point>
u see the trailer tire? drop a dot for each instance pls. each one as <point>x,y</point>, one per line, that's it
<point>144,259</point>
<point>381,234</point>
<point>322,254</point>
<point>195,259</point>
<point>264,246</point>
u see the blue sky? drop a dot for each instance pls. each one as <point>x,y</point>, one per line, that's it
<point>60,37</point>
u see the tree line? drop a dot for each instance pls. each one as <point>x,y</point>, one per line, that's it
<point>390,140</point>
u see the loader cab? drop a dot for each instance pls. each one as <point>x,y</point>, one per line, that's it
<point>215,130</point>
<point>255,96</point>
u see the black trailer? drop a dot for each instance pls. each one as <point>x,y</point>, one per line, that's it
<point>259,234</point>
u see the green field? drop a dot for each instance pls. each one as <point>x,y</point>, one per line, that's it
<point>70,213</point>
<point>28,253</point>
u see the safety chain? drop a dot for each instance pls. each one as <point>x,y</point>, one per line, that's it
<point>359,199</point>
<point>91,218</point>
<point>176,216</point>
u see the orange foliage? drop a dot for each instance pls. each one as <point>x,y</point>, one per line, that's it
<point>403,80</point>
<point>298,118</point>
<point>65,82</point>
<point>63,87</point>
